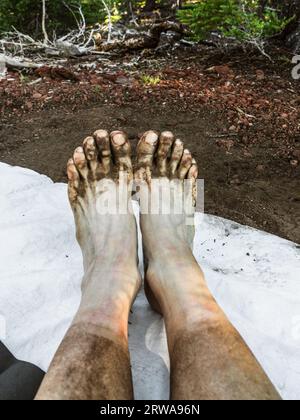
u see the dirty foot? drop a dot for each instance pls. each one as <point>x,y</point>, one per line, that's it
<point>99,192</point>
<point>209,359</point>
<point>166,173</point>
<point>93,362</point>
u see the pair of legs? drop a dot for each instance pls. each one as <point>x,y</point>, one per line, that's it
<point>209,359</point>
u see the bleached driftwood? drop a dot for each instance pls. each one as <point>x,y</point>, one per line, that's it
<point>12,62</point>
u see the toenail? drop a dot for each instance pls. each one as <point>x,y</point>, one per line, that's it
<point>118,139</point>
<point>90,142</point>
<point>151,138</point>
<point>167,134</point>
<point>79,150</point>
<point>101,133</point>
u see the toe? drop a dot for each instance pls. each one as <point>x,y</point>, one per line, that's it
<point>81,162</point>
<point>91,153</point>
<point>121,150</point>
<point>74,180</point>
<point>103,142</point>
<point>146,149</point>
<point>166,141</point>
<point>193,172</point>
<point>176,156</point>
<point>193,175</point>
<point>90,149</point>
<point>185,164</point>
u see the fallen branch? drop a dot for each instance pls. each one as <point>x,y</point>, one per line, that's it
<point>149,39</point>
<point>11,62</point>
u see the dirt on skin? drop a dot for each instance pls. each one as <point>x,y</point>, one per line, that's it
<point>238,114</point>
<point>245,185</point>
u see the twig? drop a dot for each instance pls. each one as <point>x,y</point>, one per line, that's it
<point>109,20</point>
<point>214,136</point>
<point>240,111</point>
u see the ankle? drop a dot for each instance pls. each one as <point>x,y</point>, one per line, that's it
<point>182,294</point>
<point>169,255</point>
<point>103,323</point>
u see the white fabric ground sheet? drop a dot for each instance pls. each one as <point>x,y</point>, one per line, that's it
<point>254,276</point>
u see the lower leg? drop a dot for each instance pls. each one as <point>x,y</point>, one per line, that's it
<point>93,359</point>
<point>209,359</point>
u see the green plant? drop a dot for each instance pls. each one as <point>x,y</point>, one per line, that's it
<point>243,20</point>
<point>24,78</point>
<point>150,80</point>
<point>97,89</point>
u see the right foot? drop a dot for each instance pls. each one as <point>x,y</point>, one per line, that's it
<point>100,170</point>
<point>171,285</point>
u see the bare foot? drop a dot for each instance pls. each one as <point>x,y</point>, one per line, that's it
<point>99,175</point>
<point>209,359</point>
<point>92,362</point>
<point>163,168</point>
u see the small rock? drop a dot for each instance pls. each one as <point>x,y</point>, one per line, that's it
<point>37,96</point>
<point>260,168</point>
<point>260,75</point>
<point>123,80</point>
<point>28,105</point>
<point>222,70</point>
<point>227,144</point>
<point>294,163</point>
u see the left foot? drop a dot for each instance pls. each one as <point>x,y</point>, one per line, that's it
<point>93,362</point>
<point>99,174</point>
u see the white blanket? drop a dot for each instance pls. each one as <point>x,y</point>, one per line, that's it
<point>254,276</point>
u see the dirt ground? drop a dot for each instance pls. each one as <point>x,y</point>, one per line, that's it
<point>246,181</point>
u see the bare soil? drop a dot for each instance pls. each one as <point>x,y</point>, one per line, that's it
<point>248,161</point>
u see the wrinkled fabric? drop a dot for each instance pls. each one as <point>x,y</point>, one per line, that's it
<point>253,275</point>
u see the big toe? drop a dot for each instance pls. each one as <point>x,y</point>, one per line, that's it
<point>102,140</point>
<point>166,141</point>
<point>145,155</point>
<point>121,150</point>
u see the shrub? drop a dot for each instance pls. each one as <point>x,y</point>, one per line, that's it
<point>243,20</point>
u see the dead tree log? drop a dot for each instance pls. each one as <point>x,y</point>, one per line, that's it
<point>146,40</point>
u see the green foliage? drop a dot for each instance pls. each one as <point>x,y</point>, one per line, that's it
<point>242,19</point>
<point>25,15</point>
<point>150,80</point>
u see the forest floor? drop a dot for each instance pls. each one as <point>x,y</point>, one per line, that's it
<point>238,114</point>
